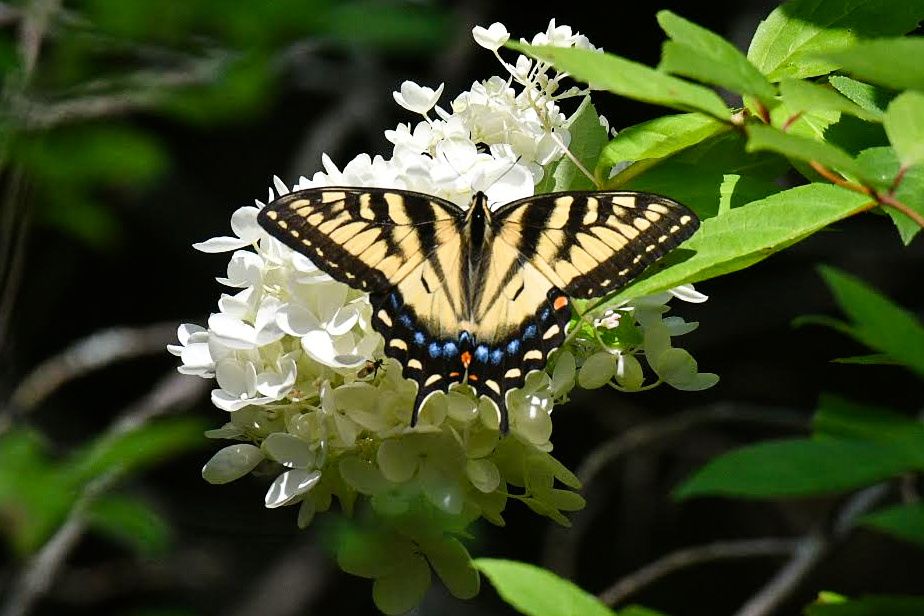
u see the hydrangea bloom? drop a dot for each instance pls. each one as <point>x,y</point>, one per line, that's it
<point>292,351</point>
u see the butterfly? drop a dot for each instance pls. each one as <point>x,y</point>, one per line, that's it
<point>476,296</point>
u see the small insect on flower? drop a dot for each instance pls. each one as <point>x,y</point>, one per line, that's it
<point>371,368</point>
<point>476,296</point>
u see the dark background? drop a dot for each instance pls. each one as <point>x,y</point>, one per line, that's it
<point>234,556</point>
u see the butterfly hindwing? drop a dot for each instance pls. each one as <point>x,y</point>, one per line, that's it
<point>590,244</point>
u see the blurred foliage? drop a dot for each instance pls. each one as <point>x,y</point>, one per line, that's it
<point>39,490</point>
<point>204,62</point>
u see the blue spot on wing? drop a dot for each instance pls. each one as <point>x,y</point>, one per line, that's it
<point>513,346</point>
<point>434,349</point>
<point>544,315</point>
<point>419,338</point>
<point>450,349</point>
<point>530,332</point>
<point>406,320</point>
<point>481,353</point>
<point>497,356</point>
<point>395,300</point>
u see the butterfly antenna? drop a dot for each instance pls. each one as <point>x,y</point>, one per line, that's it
<point>502,175</point>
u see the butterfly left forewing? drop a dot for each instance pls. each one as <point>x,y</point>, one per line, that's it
<point>590,244</point>
<point>368,238</point>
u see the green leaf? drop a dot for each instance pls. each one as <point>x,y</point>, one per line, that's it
<point>787,42</point>
<point>626,78</point>
<point>748,234</point>
<point>538,592</point>
<point>136,449</point>
<point>904,124</point>
<point>878,323</point>
<point>453,564</point>
<point>794,468</point>
<point>588,137</point>
<point>801,96</point>
<point>881,166</point>
<point>895,63</point>
<point>902,521</point>
<point>868,96</point>
<point>404,588</point>
<point>658,138</point>
<point>763,137</point>
<point>703,175</point>
<point>131,521</point>
<point>705,56</point>
<point>844,419</point>
<point>870,606</point>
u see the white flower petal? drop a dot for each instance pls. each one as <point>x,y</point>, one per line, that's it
<point>687,293</point>
<point>493,37</point>
<point>232,332</point>
<point>244,224</point>
<point>296,320</point>
<point>220,244</point>
<point>416,98</point>
<point>290,485</point>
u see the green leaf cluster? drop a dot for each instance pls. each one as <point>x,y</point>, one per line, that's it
<point>38,490</point>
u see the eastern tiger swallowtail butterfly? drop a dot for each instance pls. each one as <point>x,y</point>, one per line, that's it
<point>476,296</point>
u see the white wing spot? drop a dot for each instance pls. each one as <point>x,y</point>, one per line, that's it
<point>641,224</point>
<point>433,378</point>
<point>398,343</point>
<point>512,373</point>
<point>414,364</point>
<point>383,316</point>
<point>551,332</point>
<point>685,219</point>
<point>272,215</point>
<point>533,354</point>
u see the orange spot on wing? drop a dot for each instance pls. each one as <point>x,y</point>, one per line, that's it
<point>473,377</point>
<point>454,375</point>
<point>466,358</point>
<point>560,302</point>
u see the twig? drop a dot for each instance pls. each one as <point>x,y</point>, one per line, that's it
<point>689,557</point>
<point>142,91</point>
<point>811,551</point>
<point>891,201</point>
<point>561,547</point>
<point>657,431</point>
<point>172,392</point>
<point>91,353</point>
<point>882,198</point>
<point>32,31</point>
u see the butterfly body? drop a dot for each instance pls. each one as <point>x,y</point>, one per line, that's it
<point>476,296</point>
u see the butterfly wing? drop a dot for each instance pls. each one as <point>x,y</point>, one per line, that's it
<point>590,244</point>
<point>549,248</point>
<point>405,249</point>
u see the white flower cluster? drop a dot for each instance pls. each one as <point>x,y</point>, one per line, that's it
<point>292,351</point>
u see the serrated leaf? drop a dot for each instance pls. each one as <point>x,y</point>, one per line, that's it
<point>902,521</point>
<point>878,323</point>
<point>658,138</point>
<point>746,235</point>
<point>800,96</point>
<point>588,137</point>
<point>787,42</point>
<point>763,137</point>
<point>131,521</point>
<point>537,592</point>
<point>895,63</point>
<point>696,175</point>
<point>794,468</point>
<point>881,166</point>
<point>630,79</point>
<point>904,124</point>
<point>867,96</point>
<point>705,56</point>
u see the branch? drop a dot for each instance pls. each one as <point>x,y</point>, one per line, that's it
<point>810,552</point>
<point>91,353</point>
<point>150,90</point>
<point>656,431</point>
<point>172,392</point>
<point>689,557</point>
<point>882,198</point>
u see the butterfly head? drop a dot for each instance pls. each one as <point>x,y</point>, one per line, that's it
<point>478,218</point>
